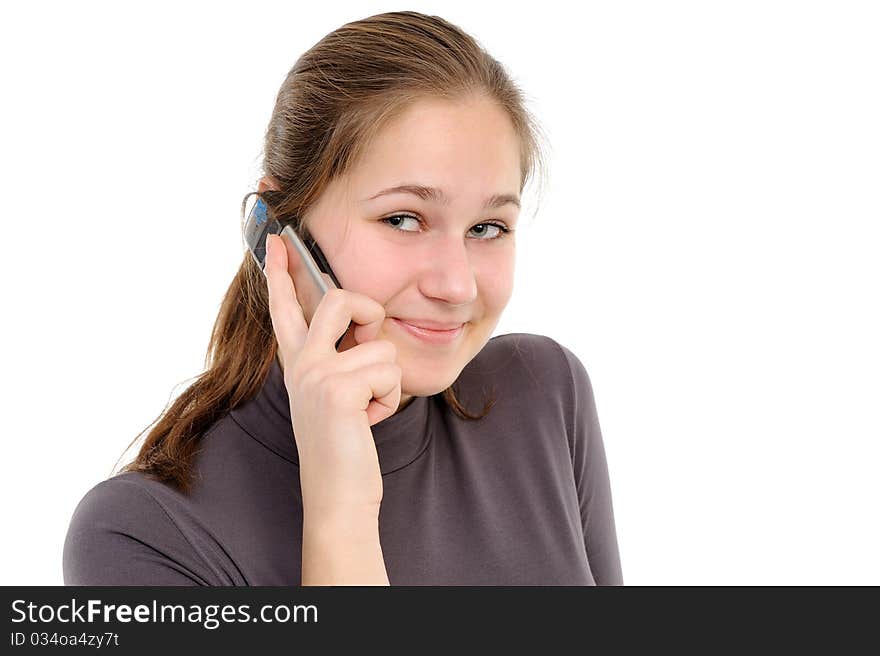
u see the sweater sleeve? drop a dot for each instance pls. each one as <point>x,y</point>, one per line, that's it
<point>592,478</point>
<point>120,535</point>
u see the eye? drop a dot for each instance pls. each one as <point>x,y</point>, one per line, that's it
<point>501,229</point>
<point>399,217</point>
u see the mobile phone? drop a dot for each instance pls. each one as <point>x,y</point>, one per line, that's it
<point>261,222</point>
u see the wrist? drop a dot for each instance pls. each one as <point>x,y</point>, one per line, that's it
<point>342,550</point>
<point>353,522</point>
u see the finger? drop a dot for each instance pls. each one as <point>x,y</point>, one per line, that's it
<point>308,293</point>
<point>363,355</point>
<point>381,394</point>
<point>284,309</point>
<point>363,334</point>
<point>336,310</point>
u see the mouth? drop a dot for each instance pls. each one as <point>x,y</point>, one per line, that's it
<point>430,335</point>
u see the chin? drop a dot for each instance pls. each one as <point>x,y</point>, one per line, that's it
<point>424,385</point>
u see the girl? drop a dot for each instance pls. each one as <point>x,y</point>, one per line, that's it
<point>403,148</point>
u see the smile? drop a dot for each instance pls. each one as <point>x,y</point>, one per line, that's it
<point>430,336</point>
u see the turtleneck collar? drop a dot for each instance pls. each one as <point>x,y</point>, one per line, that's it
<point>400,438</point>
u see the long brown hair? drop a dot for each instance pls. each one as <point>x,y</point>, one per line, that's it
<point>332,104</point>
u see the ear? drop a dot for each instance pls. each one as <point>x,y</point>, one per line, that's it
<point>268,182</point>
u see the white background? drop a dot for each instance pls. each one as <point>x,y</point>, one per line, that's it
<point>706,243</point>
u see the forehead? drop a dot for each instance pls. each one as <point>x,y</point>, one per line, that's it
<point>468,148</point>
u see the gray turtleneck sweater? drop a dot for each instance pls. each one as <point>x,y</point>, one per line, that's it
<point>520,497</point>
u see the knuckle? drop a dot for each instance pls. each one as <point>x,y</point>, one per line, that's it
<point>390,349</point>
<point>332,299</point>
<point>381,350</point>
<point>336,295</point>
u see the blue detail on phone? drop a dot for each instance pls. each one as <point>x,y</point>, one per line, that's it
<point>260,223</point>
<point>260,211</point>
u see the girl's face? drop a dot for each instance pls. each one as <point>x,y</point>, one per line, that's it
<point>443,259</point>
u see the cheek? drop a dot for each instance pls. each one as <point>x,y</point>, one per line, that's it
<point>495,280</point>
<point>380,269</point>
<point>368,268</point>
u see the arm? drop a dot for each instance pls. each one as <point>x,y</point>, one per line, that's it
<point>592,479</point>
<point>342,552</point>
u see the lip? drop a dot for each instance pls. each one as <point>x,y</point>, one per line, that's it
<point>429,335</point>
<point>427,324</point>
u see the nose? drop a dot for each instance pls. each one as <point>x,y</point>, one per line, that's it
<point>448,274</point>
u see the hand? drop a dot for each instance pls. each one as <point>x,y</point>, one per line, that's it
<point>334,396</point>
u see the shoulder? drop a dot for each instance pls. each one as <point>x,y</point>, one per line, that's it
<point>114,502</point>
<point>531,359</point>
<point>527,369</point>
<point>120,534</point>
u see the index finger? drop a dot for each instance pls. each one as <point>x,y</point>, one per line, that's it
<point>285,311</point>
<point>338,310</point>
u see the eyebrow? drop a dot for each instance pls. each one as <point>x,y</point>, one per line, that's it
<point>436,195</point>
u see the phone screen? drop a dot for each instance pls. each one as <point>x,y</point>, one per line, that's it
<point>261,223</point>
